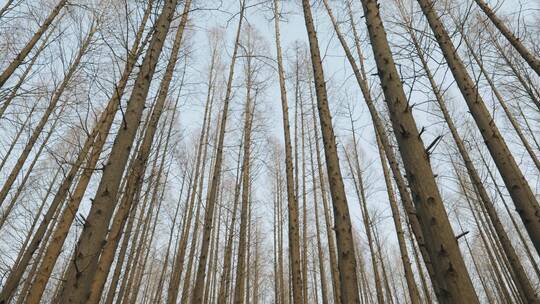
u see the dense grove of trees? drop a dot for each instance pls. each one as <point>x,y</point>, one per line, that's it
<point>370,151</point>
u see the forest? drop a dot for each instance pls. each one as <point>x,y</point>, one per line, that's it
<point>270,151</point>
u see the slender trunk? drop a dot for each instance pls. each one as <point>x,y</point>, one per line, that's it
<point>243,244</point>
<point>500,99</point>
<point>73,68</point>
<point>524,284</point>
<point>529,57</point>
<point>22,184</point>
<point>485,241</point>
<point>519,189</point>
<point>13,91</point>
<point>6,8</point>
<point>343,227</point>
<point>506,57</point>
<point>358,181</point>
<point>292,203</point>
<point>32,271</point>
<point>68,215</point>
<point>450,272</point>
<point>327,218</point>
<point>178,265</point>
<point>18,60</point>
<point>214,248</point>
<point>85,258</point>
<point>136,176</point>
<point>407,269</point>
<point>379,127</point>
<point>524,242</point>
<point>227,255</point>
<point>138,237</point>
<point>16,273</point>
<point>389,297</point>
<point>211,199</point>
<point>489,295</point>
<point>324,286</point>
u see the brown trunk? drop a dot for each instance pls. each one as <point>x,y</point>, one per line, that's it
<point>342,220</point>
<point>516,183</point>
<point>13,200</point>
<point>324,284</point>
<point>450,272</point>
<point>327,217</point>
<point>358,181</point>
<point>16,274</point>
<point>18,60</point>
<point>246,182</point>
<point>361,78</point>
<point>485,241</point>
<point>524,284</point>
<point>531,59</point>
<point>95,141</point>
<point>135,178</point>
<point>85,258</point>
<point>481,277</point>
<point>55,98</point>
<point>178,265</point>
<point>292,203</point>
<point>15,89</point>
<point>517,128</point>
<point>32,271</point>
<point>409,275</point>
<point>227,256</point>
<point>198,289</point>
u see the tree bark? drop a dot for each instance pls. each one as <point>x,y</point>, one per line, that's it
<point>343,227</point>
<point>17,61</point>
<point>519,189</point>
<point>529,57</point>
<point>85,257</point>
<point>450,272</point>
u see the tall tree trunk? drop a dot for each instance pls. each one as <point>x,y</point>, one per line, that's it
<point>327,217</point>
<point>55,98</point>
<point>202,149</point>
<point>356,173</point>
<point>223,294</point>
<point>292,203</point>
<point>137,173</point>
<point>304,203</point>
<point>361,78</point>
<point>450,272</point>
<point>506,57</point>
<point>519,189</point>
<point>476,265</point>
<point>243,245</point>
<point>17,272</point>
<point>530,58</point>
<point>85,258</point>
<point>343,227</point>
<point>95,141</point>
<point>407,269</point>
<point>324,284</point>
<point>15,89</point>
<point>198,289</point>
<point>6,211</point>
<point>524,242</point>
<point>517,128</point>
<point>524,284</point>
<point>485,241</point>
<point>18,60</point>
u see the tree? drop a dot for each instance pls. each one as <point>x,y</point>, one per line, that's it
<point>450,274</point>
<point>344,240</point>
